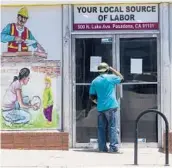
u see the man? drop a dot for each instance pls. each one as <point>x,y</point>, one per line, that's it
<point>103,89</point>
<point>18,37</point>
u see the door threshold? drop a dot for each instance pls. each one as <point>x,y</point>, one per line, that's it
<point>122,145</point>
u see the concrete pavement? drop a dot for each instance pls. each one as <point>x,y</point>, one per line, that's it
<point>80,158</point>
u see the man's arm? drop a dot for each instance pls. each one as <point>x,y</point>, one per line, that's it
<point>6,34</point>
<point>114,71</point>
<point>93,98</point>
<point>93,94</point>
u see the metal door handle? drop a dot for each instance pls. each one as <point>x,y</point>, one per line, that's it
<point>121,91</point>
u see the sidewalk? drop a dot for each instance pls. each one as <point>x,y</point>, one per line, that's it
<point>80,158</point>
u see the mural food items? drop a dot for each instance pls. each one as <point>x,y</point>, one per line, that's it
<point>30,98</point>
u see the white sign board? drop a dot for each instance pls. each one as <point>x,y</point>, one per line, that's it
<point>136,66</point>
<point>116,17</point>
<point>94,62</point>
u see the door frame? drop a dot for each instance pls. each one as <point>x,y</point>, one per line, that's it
<point>116,63</point>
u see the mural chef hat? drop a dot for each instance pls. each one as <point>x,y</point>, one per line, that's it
<point>23,12</point>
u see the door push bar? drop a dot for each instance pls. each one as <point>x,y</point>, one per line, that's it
<point>136,136</point>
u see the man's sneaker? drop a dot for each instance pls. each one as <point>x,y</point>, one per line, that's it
<point>116,152</point>
<point>104,151</point>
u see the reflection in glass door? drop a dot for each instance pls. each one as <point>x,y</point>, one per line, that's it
<point>86,114</point>
<point>138,64</point>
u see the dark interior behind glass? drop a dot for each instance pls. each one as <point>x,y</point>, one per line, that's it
<point>139,97</point>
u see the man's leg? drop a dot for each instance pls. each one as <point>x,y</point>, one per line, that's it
<point>111,116</point>
<point>102,122</point>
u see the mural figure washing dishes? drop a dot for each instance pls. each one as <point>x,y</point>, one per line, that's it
<point>19,37</point>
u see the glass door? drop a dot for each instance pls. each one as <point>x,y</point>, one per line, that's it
<point>138,58</point>
<point>88,51</point>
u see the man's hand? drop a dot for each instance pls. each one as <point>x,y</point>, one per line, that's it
<point>111,69</point>
<point>93,98</point>
<point>18,39</point>
<point>94,101</point>
<point>116,72</point>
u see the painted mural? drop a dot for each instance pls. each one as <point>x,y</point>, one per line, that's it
<point>31,52</point>
<point>30,96</point>
<point>19,38</point>
<point>31,32</point>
